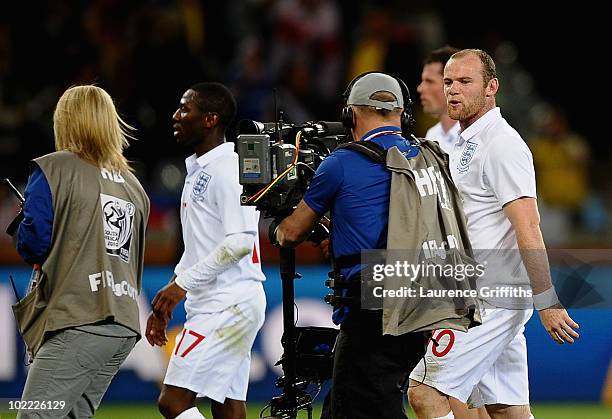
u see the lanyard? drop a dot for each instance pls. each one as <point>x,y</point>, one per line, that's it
<point>380,134</point>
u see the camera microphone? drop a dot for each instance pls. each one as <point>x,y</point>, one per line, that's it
<point>324,128</point>
<point>332,128</point>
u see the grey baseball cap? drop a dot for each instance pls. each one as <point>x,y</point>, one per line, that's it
<point>366,86</point>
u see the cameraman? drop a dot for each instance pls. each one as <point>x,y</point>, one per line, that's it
<point>370,368</point>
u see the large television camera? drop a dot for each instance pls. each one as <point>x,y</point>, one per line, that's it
<point>277,161</point>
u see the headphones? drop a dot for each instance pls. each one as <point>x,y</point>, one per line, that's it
<point>407,117</point>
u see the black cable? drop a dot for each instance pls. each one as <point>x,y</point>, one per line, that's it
<point>262,411</point>
<point>305,165</point>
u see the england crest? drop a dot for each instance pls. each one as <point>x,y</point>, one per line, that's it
<point>466,156</point>
<point>200,186</point>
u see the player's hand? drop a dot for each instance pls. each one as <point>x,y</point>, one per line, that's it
<point>166,299</point>
<point>156,331</point>
<point>559,324</point>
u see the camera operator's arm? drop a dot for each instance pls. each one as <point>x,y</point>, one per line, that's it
<point>318,199</point>
<point>34,233</point>
<point>296,228</point>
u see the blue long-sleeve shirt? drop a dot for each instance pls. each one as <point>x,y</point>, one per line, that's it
<point>36,229</point>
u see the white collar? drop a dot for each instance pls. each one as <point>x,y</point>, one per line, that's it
<point>193,161</point>
<point>479,124</point>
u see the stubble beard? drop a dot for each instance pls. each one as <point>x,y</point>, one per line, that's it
<point>467,111</point>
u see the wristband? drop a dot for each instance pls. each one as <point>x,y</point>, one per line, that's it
<point>545,299</point>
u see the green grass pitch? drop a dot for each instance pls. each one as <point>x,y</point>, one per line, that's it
<point>540,411</point>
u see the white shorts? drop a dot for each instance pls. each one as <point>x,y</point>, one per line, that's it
<point>486,365</point>
<point>212,355</point>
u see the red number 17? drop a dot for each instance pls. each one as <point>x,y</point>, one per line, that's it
<point>199,338</point>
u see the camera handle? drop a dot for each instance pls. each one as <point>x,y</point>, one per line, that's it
<point>293,399</point>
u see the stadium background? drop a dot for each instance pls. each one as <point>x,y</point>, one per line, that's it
<point>146,53</point>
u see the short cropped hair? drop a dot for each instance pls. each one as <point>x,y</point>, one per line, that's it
<point>86,123</point>
<point>215,97</point>
<point>488,65</point>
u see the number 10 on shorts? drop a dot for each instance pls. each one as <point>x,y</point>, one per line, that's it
<point>198,338</point>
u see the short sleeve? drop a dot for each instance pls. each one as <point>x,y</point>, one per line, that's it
<point>235,218</point>
<point>509,171</point>
<point>324,185</point>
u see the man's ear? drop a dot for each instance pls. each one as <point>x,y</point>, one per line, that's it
<point>492,87</point>
<point>210,119</point>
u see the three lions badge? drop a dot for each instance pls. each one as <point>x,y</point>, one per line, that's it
<point>466,156</point>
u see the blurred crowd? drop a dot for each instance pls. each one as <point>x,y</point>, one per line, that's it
<point>300,53</point>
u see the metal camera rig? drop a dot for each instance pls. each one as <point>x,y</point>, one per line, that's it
<point>277,161</point>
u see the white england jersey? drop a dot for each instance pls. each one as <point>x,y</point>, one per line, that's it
<point>448,139</point>
<point>492,166</point>
<point>211,210</point>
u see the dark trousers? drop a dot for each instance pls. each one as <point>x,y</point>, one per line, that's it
<point>371,370</point>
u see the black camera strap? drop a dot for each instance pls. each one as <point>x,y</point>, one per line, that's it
<point>336,282</point>
<point>344,292</point>
<point>369,149</point>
